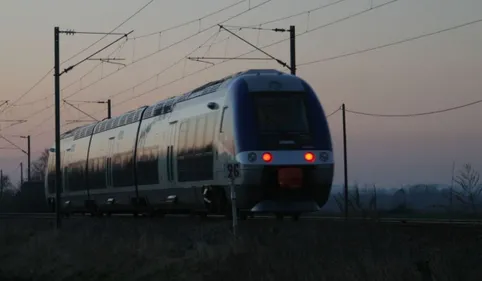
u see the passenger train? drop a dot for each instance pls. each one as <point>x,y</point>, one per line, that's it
<point>262,130</point>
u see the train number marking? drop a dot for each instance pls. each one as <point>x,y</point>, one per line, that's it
<point>233,170</point>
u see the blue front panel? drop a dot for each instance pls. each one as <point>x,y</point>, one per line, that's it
<point>317,120</point>
<point>247,134</point>
<point>244,119</point>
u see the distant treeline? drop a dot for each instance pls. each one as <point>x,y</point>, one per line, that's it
<point>30,198</point>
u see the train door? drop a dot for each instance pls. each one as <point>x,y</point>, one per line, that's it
<point>225,143</point>
<point>65,170</point>
<point>108,171</point>
<point>171,167</point>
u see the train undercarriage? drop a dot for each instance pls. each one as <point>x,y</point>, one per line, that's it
<point>217,202</point>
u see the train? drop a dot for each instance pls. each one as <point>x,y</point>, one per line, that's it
<point>260,132</point>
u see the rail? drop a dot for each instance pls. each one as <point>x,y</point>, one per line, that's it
<point>407,221</point>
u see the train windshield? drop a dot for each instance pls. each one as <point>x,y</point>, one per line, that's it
<point>281,113</point>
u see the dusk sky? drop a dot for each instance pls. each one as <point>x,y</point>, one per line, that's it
<point>431,73</point>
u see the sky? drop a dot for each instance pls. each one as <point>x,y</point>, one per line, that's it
<point>431,73</point>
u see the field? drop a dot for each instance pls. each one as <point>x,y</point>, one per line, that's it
<point>193,249</point>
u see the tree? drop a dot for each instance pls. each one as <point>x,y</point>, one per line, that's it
<point>40,165</point>
<point>470,189</point>
<point>5,184</point>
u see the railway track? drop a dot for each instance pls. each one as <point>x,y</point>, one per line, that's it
<point>408,221</point>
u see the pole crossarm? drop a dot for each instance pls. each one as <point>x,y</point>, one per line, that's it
<point>109,60</point>
<point>12,143</point>
<point>88,101</point>
<point>73,32</point>
<point>77,121</point>
<point>259,49</point>
<point>124,35</point>
<point>87,114</point>
<point>13,121</point>
<point>225,58</point>
<point>258,28</point>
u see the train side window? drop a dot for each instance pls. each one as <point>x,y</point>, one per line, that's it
<point>209,133</point>
<point>201,128</point>
<point>191,136</point>
<point>227,122</point>
<point>181,147</point>
<point>223,117</point>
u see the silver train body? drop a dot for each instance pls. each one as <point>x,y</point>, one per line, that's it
<point>264,129</point>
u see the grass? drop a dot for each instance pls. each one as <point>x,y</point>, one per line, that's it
<point>407,214</point>
<point>182,249</point>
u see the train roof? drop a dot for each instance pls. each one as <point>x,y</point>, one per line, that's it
<point>166,105</point>
<point>163,106</point>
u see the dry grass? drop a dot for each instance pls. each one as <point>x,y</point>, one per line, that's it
<point>170,249</point>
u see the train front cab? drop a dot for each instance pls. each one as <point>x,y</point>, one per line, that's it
<point>284,145</point>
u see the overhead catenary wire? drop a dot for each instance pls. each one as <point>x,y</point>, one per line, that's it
<point>355,112</point>
<point>69,68</point>
<point>45,98</point>
<point>232,17</point>
<point>256,26</point>
<point>30,116</point>
<point>166,68</point>
<point>77,54</point>
<point>43,121</point>
<point>95,53</point>
<point>393,43</point>
<point>172,45</point>
<point>275,43</point>
<point>334,112</point>
<point>27,92</point>
<point>114,29</point>
<point>117,50</point>
<point>32,102</point>
<point>214,36</point>
<point>190,21</point>
<point>316,28</point>
<point>263,47</point>
<point>236,57</point>
<point>266,46</point>
<point>414,114</point>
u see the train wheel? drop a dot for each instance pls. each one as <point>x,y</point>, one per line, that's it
<point>295,217</point>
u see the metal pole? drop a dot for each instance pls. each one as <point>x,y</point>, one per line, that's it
<point>57,127</point>
<point>292,50</point>
<point>233,205</point>
<point>1,187</point>
<point>21,174</point>
<point>109,109</point>
<point>345,164</point>
<point>451,192</point>
<point>28,158</point>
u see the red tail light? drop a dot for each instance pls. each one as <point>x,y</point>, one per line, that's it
<point>310,157</point>
<point>267,157</point>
